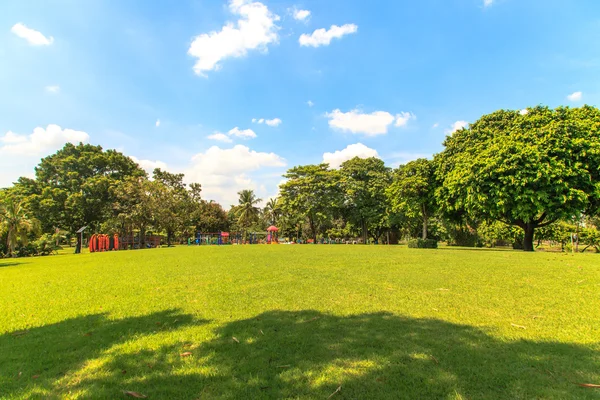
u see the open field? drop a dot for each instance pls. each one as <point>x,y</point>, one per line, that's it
<point>245,322</point>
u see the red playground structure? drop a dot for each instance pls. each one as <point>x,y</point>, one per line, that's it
<point>100,242</point>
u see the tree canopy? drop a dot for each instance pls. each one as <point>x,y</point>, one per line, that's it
<point>525,169</point>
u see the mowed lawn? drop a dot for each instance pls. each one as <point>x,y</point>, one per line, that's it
<point>314,322</point>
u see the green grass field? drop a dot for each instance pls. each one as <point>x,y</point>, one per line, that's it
<point>350,322</point>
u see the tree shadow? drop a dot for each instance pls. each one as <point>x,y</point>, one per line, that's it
<point>33,361</point>
<point>307,354</point>
<point>11,263</point>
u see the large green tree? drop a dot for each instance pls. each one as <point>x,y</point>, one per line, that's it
<point>72,187</point>
<point>527,169</point>
<point>311,192</point>
<point>412,191</point>
<point>364,182</point>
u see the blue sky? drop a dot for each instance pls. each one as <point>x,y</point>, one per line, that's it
<point>178,84</point>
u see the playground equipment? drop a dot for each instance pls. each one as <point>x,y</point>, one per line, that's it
<point>272,235</point>
<point>212,238</point>
<point>100,242</point>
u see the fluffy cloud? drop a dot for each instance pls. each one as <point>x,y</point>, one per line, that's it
<point>322,37</point>
<point>19,154</point>
<point>373,124</point>
<point>255,30</point>
<point>224,172</point>
<point>157,123</point>
<point>403,118</point>
<point>458,125</point>
<point>524,111</point>
<point>310,103</point>
<point>35,38</point>
<point>149,165</point>
<point>487,3</point>
<point>271,122</point>
<point>242,133</point>
<point>301,15</point>
<point>52,89</point>
<point>41,141</point>
<point>576,96</point>
<point>336,158</point>
<point>435,125</point>
<point>220,137</point>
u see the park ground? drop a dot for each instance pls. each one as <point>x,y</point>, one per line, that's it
<point>301,322</point>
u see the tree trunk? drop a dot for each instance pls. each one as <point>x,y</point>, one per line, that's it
<point>365,232</point>
<point>529,230</point>
<point>424,227</point>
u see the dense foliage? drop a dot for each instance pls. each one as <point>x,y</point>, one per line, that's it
<point>512,178</point>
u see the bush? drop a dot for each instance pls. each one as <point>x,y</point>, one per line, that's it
<point>422,244</point>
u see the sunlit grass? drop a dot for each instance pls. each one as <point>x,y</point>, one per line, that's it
<point>299,322</point>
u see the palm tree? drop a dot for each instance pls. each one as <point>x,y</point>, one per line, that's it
<point>16,223</point>
<point>247,212</point>
<point>271,210</point>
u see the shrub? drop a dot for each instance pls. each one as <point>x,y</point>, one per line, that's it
<point>422,244</point>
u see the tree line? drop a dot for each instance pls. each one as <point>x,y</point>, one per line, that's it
<point>512,177</point>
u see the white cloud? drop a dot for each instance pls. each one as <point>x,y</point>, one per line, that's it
<point>336,158</point>
<point>255,30</point>
<point>52,89</point>
<point>524,111</point>
<point>487,3</point>
<point>19,154</point>
<point>157,123</point>
<point>220,137</point>
<point>224,172</point>
<point>35,38</point>
<point>41,141</point>
<point>301,15</point>
<point>403,118</point>
<point>271,122</point>
<point>310,103</point>
<point>458,125</point>
<point>376,123</point>
<point>149,165</point>
<point>242,133</point>
<point>435,125</point>
<point>322,37</point>
<point>576,96</point>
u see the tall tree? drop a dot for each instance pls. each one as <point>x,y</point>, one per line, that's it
<point>15,222</point>
<point>412,192</point>
<point>271,210</point>
<point>311,191</point>
<point>72,187</point>
<point>172,203</point>
<point>524,169</point>
<point>247,211</point>
<point>364,181</point>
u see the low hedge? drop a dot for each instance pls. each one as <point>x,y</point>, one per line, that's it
<point>422,244</point>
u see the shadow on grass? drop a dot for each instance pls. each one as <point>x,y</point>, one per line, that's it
<point>307,354</point>
<point>11,263</point>
<point>33,361</point>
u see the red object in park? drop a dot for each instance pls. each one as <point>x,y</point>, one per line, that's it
<point>224,234</point>
<point>272,228</point>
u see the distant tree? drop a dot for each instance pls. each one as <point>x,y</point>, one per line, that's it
<point>524,169</point>
<point>172,204</point>
<point>247,210</point>
<point>364,182</point>
<point>271,211</point>
<point>412,191</point>
<point>311,192</point>
<point>15,222</point>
